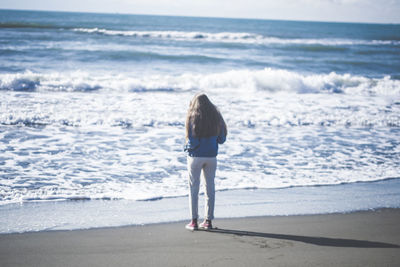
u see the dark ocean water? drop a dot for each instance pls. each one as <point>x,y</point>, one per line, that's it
<point>56,41</point>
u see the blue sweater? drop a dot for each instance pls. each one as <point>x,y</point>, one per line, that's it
<point>204,146</point>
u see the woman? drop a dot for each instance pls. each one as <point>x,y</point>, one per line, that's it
<point>205,129</point>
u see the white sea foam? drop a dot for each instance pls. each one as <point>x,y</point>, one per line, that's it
<point>235,37</point>
<point>124,140</point>
<point>118,145</point>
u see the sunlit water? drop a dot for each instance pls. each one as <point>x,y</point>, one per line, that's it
<point>93,107</point>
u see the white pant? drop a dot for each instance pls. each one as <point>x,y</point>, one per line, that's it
<point>209,166</point>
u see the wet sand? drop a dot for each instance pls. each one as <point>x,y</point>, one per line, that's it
<point>370,238</point>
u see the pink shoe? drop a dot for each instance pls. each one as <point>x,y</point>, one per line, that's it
<point>192,225</point>
<point>206,225</point>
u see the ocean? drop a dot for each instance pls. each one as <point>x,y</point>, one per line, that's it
<point>93,106</point>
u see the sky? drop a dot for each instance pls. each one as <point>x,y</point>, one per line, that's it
<point>372,11</point>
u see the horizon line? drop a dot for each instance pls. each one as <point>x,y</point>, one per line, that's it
<point>199,16</point>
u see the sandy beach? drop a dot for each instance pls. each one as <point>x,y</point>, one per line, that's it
<point>369,238</point>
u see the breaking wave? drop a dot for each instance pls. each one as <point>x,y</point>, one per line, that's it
<point>235,37</point>
<point>272,80</point>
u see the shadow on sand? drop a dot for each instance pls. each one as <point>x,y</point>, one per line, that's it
<point>320,241</point>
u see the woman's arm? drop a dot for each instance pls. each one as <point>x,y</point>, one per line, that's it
<point>191,144</point>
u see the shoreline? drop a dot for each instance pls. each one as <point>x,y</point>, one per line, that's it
<point>88,214</point>
<point>363,238</point>
<point>183,222</point>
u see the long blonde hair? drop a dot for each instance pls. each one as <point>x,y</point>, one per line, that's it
<point>203,118</point>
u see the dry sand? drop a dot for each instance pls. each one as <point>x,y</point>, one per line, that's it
<point>369,238</point>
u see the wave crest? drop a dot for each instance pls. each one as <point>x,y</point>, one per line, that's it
<point>235,37</point>
<point>29,82</point>
<point>272,80</point>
